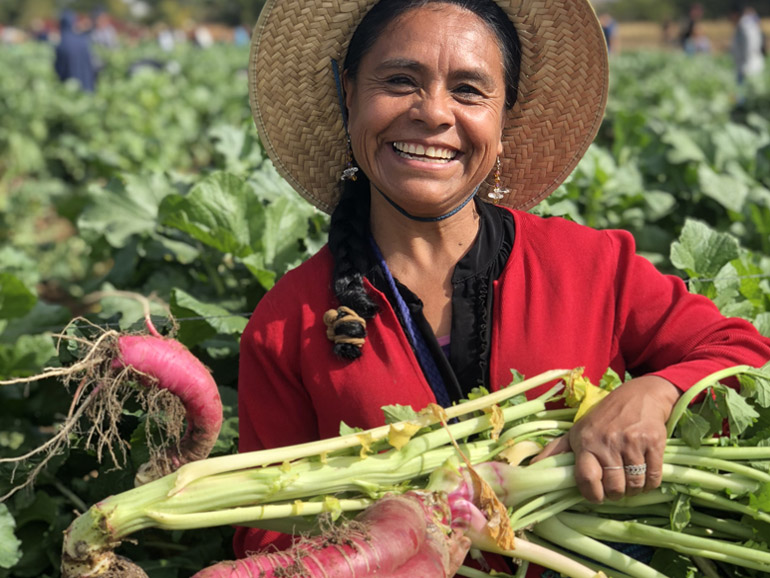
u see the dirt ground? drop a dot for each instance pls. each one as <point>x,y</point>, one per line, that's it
<point>649,35</point>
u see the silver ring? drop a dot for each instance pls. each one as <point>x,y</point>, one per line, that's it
<point>636,469</point>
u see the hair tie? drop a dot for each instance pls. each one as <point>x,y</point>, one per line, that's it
<point>334,317</point>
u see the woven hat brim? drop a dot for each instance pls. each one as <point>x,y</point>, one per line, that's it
<point>295,102</point>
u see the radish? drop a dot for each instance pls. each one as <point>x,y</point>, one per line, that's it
<point>400,535</point>
<point>106,375</point>
<point>169,365</point>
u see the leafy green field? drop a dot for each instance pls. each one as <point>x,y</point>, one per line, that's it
<point>157,184</point>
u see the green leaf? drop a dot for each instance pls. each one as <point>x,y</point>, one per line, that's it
<point>683,148</point>
<point>693,428</point>
<point>681,513</point>
<point>397,413</point>
<point>701,251</point>
<point>673,564</point>
<point>10,545</point>
<point>219,211</point>
<point>610,380</point>
<point>762,323</point>
<point>125,208</point>
<point>255,263</point>
<point>26,356</point>
<point>345,429</point>
<point>209,321</point>
<point>757,387</point>
<point>15,299</point>
<point>739,413</point>
<point>760,500</point>
<point>728,191</point>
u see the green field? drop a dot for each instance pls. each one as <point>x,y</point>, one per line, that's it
<point>157,184</point>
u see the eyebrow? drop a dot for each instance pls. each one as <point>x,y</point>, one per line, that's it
<point>471,75</point>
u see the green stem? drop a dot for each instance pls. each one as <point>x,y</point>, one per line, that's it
<point>604,529</point>
<point>544,507</point>
<point>614,572</point>
<point>531,552</point>
<point>190,472</point>
<point>556,531</point>
<point>688,396</point>
<point>685,459</point>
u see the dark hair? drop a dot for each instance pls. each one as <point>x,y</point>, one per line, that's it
<point>349,229</point>
<point>386,11</point>
<point>349,245</point>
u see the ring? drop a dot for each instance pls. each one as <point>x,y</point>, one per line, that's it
<point>636,469</point>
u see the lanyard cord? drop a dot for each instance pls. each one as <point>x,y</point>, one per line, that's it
<point>424,356</point>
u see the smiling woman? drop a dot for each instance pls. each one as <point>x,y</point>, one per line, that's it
<point>428,128</point>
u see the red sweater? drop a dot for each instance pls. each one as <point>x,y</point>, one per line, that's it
<point>569,296</point>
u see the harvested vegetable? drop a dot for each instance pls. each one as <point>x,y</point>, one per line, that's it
<point>396,536</point>
<point>172,385</point>
<point>711,510</point>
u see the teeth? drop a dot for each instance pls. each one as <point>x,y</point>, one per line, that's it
<point>432,154</point>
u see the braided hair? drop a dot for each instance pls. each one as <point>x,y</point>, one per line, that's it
<point>349,242</point>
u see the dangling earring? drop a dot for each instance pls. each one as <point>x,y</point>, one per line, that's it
<point>499,191</point>
<point>349,174</point>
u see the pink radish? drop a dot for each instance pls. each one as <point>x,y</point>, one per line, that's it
<point>398,536</point>
<point>172,367</point>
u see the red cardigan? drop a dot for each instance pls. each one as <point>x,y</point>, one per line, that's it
<point>569,296</point>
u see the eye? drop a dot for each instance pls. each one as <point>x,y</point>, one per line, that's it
<point>400,81</point>
<point>468,91</point>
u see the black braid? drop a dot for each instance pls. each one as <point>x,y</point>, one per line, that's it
<point>349,242</point>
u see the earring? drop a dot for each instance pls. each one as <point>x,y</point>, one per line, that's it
<point>499,191</point>
<point>349,174</point>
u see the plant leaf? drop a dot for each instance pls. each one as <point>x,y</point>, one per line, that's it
<point>10,551</point>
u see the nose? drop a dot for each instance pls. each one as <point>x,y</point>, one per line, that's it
<point>434,109</point>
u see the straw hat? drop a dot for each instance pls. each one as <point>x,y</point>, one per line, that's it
<point>294,97</point>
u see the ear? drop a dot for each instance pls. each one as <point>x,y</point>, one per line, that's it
<point>348,88</point>
<point>502,128</point>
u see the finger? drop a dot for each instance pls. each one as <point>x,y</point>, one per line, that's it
<point>614,481</point>
<point>558,446</point>
<point>635,472</point>
<point>654,459</point>
<point>589,477</point>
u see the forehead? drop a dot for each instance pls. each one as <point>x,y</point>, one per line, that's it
<point>441,31</point>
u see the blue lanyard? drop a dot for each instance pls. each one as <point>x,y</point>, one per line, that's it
<point>424,356</point>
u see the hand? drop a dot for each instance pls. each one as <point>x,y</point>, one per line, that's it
<point>628,427</point>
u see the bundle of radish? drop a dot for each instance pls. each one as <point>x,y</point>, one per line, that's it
<point>711,512</point>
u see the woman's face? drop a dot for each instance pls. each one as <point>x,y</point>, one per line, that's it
<point>426,109</point>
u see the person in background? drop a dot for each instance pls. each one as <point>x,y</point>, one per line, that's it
<point>166,39</point>
<point>694,16</point>
<point>747,41</point>
<point>74,59</point>
<point>103,32</point>
<point>610,29</point>
<point>698,43</point>
<point>241,36</point>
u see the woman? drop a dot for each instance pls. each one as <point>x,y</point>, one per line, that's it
<point>438,107</point>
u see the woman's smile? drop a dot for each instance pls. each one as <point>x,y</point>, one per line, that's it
<point>427,108</point>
